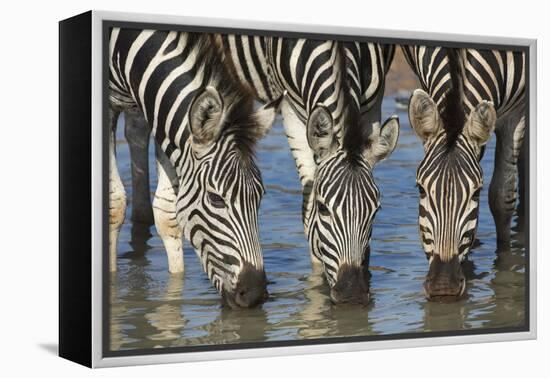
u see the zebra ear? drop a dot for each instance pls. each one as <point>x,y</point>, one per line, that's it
<point>320,132</point>
<point>206,117</point>
<point>423,115</point>
<point>382,140</point>
<point>265,116</point>
<point>481,123</point>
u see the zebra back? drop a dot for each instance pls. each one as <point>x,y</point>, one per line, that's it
<point>332,71</point>
<point>367,66</point>
<point>492,75</point>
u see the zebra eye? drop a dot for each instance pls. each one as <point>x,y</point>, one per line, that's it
<point>323,210</point>
<point>216,200</point>
<point>421,190</point>
<point>475,196</point>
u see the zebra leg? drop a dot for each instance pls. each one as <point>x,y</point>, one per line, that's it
<point>117,195</point>
<point>296,134</point>
<point>137,133</point>
<point>164,211</point>
<point>521,190</point>
<point>502,190</point>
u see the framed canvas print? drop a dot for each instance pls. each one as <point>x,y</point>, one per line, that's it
<point>232,189</point>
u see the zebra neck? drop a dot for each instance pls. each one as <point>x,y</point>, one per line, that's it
<point>161,72</point>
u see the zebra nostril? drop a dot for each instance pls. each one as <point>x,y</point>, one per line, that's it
<point>251,297</point>
<point>251,287</point>
<point>351,286</point>
<point>444,279</point>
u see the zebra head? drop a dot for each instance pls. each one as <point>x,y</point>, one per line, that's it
<point>345,200</point>
<point>449,179</point>
<point>220,192</point>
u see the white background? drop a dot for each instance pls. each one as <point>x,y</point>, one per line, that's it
<point>29,185</point>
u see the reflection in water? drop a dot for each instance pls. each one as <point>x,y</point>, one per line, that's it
<point>314,312</point>
<point>131,300</point>
<point>231,326</point>
<point>444,316</point>
<point>319,318</point>
<point>117,310</point>
<point>151,308</point>
<point>502,303</point>
<point>167,316</point>
<point>509,285</point>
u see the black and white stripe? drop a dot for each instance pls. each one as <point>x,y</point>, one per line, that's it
<point>448,215</point>
<point>497,76</point>
<point>205,124</point>
<point>367,66</point>
<point>466,94</point>
<point>309,71</point>
<point>331,89</point>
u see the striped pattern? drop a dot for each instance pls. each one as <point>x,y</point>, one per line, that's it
<point>491,75</point>
<point>342,236</point>
<point>496,76</point>
<point>367,66</point>
<point>225,238</point>
<point>309,71</point>
<point>448,216</point>
<point>431,66</point>
<point>306,69</point>
<point>220,186</point>
<point>450,177</point>
<point>347,79</point>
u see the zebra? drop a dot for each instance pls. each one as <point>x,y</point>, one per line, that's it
<point>332,96</point>
<point>206,128</point>
<point>466,95</point>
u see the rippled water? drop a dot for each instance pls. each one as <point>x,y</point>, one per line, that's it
<point>151,308</point>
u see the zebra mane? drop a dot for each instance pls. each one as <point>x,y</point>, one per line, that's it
<point>453,114</point>
<point>242,126</point>
<point>240,121</point>
<point>356,137</point>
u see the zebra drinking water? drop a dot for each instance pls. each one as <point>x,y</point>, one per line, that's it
<point>206,128</point>
<point>331,117</point>
<point>466,95</point>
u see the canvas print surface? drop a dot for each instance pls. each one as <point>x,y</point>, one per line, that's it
<point>277,189</point>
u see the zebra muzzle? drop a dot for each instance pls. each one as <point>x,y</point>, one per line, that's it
<point>445,279</point>
<point>251,289</point>
<point>352,286</point>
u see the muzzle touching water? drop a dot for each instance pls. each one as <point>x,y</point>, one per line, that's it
<point>251,289</point>
<point>352,286</point>
<point>444,279</point>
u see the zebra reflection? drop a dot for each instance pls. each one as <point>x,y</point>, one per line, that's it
<point>167,316</point>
